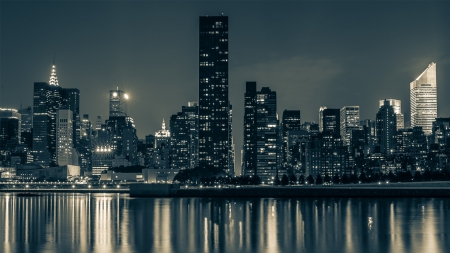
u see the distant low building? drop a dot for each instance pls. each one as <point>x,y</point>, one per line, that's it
<point>123,174</point>
<point>159,175</point>
<point>33,171</point>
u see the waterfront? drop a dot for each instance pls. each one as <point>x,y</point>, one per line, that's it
<point>74,222</point>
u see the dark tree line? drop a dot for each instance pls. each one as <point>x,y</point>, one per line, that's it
<point>210,177</point>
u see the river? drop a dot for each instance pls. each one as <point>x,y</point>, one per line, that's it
<point>71,222</point>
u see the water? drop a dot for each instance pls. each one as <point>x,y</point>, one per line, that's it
<point>118,223</point>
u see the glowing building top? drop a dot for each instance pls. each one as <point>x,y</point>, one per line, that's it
<point>53,77</point>
<point>117,102</point>
<point>423,96</point>
<point>163,133</point>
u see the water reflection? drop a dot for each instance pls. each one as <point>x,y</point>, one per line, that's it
<point>117,223</point>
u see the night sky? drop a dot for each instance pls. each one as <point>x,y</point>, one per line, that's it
<point>311,53</point>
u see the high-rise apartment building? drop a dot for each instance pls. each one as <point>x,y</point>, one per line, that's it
<point>397,106</point>
<point>184,138</point>
<point>261,133</point>
<point>349,122</point>
<point>64,135</point>
<point>423,95</point>
<point>214,106</point>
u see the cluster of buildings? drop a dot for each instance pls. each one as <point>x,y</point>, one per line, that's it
<point>52,133</point>
<point>341,143</point>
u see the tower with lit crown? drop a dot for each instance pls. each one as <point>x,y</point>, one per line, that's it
<point>117,103</point>
<point>48,98</point>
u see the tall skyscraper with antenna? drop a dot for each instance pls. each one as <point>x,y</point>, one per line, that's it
<point>48,98</point>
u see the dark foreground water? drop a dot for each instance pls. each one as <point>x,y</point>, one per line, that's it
<point>117,223</point>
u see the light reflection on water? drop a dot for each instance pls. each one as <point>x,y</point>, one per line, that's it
<point>117,223</point>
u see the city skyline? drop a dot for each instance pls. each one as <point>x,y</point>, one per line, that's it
<point>314,87</point>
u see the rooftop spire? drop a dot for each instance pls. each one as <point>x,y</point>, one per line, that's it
<point>163,125</point>
<point>53,77</point>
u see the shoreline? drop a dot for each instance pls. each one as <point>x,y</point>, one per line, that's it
<point>393,190</point>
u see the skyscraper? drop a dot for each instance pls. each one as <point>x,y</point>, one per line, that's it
<point>331,121</point>
<point>321,109</point>
<point>423,95</point>
<point>386,127</point>
<point>397,106</point>
<point>250,136</point>
<point>184,138</point>
<point>261,133</point>
<point>290,122</point>
<point>349,122</point>
<point>117,103</point>
<point>46,102</point>
<point>10,131</point>
<point>64,135</point>
<point>71,100</point>
<point>214,106</point>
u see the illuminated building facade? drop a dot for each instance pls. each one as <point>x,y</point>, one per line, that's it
<point>261,133</point>
<point>214,106</point>
<point>64,135</point>
<point>162,149</point>
<point>328,155</point>
<point>184,138</point>
<point>423,95</point>
<point>349,122</point>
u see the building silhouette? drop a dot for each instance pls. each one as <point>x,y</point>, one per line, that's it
<point>386,128</point>
<point>290,122</point>
<point>331,121</point>
<point>214,106</point>
<point>250,134</point>
<point>261,133</point>
<point>423,95</point>
<point>397,106</point>
<point>321,109</point>
<point>64,137</point>
<point>117,103</point>
<point>10,129</point>
<point>184,138</point>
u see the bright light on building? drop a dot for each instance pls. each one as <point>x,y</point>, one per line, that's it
<point>125,96</point>
<point>115,94</point>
